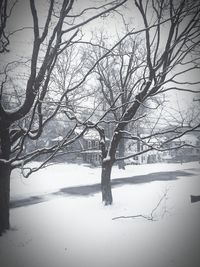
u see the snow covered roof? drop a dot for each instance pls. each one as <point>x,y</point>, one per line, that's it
<point>91,134</point>
<point>59,138</point>
<point>91,151</point>
<point>189,139</point>
<point>154,140</point>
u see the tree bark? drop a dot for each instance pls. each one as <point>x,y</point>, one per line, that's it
<point>5,172</point>
<point>106,183</point>
<point>121,147</point>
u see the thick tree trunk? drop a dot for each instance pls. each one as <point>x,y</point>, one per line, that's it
<point>121,148</point>
<point>5,171</point>
<point>106,183</point>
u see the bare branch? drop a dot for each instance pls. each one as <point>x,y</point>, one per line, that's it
<point>151,216</point>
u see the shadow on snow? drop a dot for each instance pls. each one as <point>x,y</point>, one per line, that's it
<point>88,190</point>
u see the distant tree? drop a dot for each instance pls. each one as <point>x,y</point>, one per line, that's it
<point>56,31</point>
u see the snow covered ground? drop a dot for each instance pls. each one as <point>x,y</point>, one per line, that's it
<point>52,227</point>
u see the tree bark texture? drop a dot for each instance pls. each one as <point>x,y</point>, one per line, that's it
<point>121,148</point>
<point>106,183</point>
<point>5,171</point>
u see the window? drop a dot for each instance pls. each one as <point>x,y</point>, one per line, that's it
<point>97,144</point>
<point>89,144</point>
<point>88,157</point>
<point>93,143</point>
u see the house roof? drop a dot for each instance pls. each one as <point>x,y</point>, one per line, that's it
<point>91,134</point>
<point>57,139</point>
<point>189,139</point>
<point>91,151</point>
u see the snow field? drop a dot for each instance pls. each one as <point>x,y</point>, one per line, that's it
<point>78,231</point>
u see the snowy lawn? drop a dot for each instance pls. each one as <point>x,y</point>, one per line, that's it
<point>52,227</point>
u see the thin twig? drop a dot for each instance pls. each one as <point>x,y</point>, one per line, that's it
<point>150,217</point>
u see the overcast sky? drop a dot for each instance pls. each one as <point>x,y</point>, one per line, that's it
<point>21,42</point>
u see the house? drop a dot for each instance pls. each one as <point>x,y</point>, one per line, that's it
<point>86,149</point>
<point>134,147</point>
<point>184,149</point>
<point>90,143</point>
<point>189,149</point>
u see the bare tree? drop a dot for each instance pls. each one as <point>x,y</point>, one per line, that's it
<point>117,75</point>
<point>164,61</point>
<point>52,34</point>
<point>6,9</point>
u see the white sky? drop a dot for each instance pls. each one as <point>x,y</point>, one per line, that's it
<point>21,42</point>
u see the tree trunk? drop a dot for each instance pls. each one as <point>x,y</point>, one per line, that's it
<point>121,147</point>
<point>106,183</point>
<point>5,172</point>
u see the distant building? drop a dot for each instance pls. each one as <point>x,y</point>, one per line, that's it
<point>85,150</point>
<point>91,148</point>
<point>135,147</point>
<point>189,151</point>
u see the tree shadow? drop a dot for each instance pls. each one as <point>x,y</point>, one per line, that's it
<point>89,190</point>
